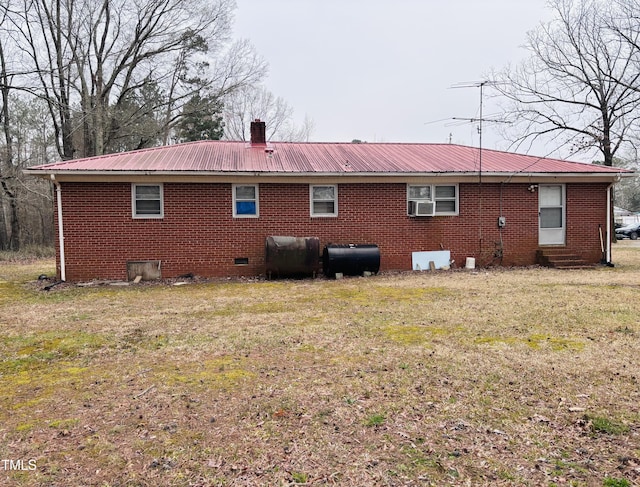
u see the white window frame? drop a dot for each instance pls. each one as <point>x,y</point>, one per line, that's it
<point>434,199</point>
<point>334,200</point>
<point>256,200</point>
<point>134,201</point>
<point>455,199</point>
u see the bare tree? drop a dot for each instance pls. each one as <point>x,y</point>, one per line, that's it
<point>8,198</point>
<point>626,25</point>
<point>293,132</point>
<point>93,58</point>
<point>25,203</point>
<point>579,88</point>
<point>256,102</point>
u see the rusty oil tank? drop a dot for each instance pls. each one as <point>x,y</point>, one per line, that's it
<point>292,256</point>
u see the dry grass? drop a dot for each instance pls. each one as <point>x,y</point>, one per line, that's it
<point>501,377</point>
<point>28,252</point>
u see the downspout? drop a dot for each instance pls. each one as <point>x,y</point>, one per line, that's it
<point>63,271</point>
<point>609,235</point>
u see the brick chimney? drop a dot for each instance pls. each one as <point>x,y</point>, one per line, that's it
<point>258,133</point>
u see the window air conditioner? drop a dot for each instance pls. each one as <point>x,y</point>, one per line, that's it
<point>422,208</point>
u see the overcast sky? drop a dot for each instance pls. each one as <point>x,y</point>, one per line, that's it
<point>383,70</point>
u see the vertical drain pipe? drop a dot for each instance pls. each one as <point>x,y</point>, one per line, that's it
<point>63,271</point>
<point>609,234</point>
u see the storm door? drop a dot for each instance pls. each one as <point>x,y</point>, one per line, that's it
<point>552,214</point>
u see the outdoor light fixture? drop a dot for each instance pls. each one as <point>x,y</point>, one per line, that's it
<point>532,188</point>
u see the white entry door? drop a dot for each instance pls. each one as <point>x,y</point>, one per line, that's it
<point>551,211</point>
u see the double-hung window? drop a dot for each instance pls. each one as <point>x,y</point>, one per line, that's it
<point>147,201</point>
<point>246,201</point>
<point>446,199</point>
<point>323,200</point>
<point>432,199</point>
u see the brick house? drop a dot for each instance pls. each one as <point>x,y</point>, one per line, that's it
<point>207,207</point>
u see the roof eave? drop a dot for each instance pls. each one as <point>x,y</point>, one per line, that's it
<point>67,175</point>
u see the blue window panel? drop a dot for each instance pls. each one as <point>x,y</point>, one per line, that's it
<point>245,207</point>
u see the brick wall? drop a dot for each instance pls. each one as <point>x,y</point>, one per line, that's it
<point>199,235</point>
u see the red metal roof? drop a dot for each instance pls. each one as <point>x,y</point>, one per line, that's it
<point>320,158</point>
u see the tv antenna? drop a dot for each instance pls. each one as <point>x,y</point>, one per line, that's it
<point>480,119</point>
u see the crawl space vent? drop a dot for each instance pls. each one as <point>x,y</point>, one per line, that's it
<point>148,269</point>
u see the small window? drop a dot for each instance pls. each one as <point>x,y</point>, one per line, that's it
<point>444,197</point>
<point>420,193</point>
<point>147,200</point>
<point>245,201</point>
<point>324,200</point>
